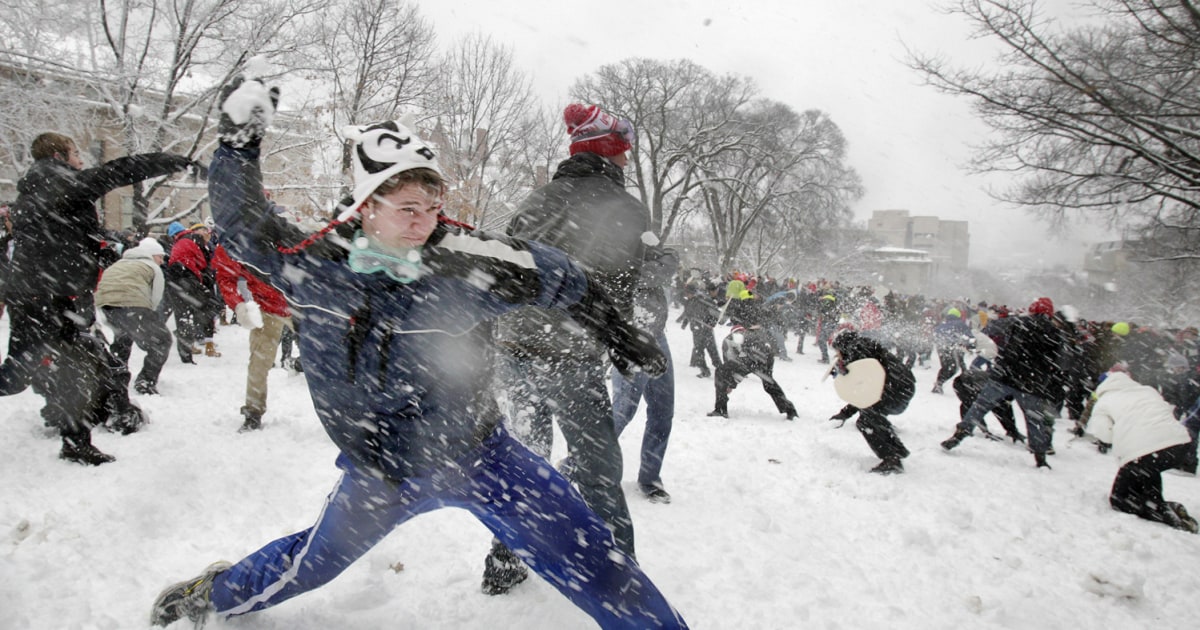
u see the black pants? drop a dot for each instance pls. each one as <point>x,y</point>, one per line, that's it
<point>880,434</point>
<point>47,350</point>
<point>145,328</point>
<point>950,359</point>
<point>730,373</point>
<point>189,302</point>
<point>1137,488</point>
<point>703,342</point>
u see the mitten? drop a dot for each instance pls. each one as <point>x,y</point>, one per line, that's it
<point>247,107</point>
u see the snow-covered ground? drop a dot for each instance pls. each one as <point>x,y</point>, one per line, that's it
<point>774,524</point>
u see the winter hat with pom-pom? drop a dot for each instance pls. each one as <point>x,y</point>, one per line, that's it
<point>380,151</point>
<point>596,131</point>
<point>1041,306</point>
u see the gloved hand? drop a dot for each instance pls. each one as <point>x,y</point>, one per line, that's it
<point>247,107</point>
<point>638,353</point>
<point>197,171</point>
<point>1103,447</point>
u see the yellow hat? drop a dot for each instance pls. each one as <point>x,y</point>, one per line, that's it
<point>1120,329</point>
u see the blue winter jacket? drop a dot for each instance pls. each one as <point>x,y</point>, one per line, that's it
<point>399,373</point>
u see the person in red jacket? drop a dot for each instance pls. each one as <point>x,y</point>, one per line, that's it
<point>262,309</point>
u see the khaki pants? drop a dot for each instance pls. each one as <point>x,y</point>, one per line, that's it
<point>263,344</point>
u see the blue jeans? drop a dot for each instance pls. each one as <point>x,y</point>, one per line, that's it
<point>501,484</point>
<point>1039,419</point>
<point>659,393</point>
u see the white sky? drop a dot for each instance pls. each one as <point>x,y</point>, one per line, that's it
<point>846,58</point>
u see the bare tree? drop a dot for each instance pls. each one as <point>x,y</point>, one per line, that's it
<point>682,113</point>
<point>377,56</point>
<point>1102,119</point>
<point>484,115</point>
<point>786,177</point>
<point>150,68</point>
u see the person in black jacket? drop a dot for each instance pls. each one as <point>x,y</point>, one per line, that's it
<point>898,388</point>
<point>557,372</point>
<point>747,350</point>
<point>700,313</point>
<point>1029,369</point>
<point>54,269</point>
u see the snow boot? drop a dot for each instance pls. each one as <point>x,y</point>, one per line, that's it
<point>127,420</point>
<point>889,466</point>
<point>502,570</point>
<point>145,388</point>
<point>937,388</point>
<point>655,494</point>
<point>210,349</point>
<point>79,449</point>
<point>1182,520</point>
<point>715,413</point>
<point>190,598</point>
<point>960,434</point>
<point>252,422</point>
<point>1040,460</point>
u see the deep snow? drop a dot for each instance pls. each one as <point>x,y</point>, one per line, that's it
<point>774,524</point>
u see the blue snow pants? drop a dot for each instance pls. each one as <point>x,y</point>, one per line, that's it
<point>520,497</point>
<point>659,393</point>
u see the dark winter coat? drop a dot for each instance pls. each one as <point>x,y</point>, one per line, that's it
<point>586,212</point>
<point>899,384</point>
<point>650,304</point>
<point>699,308</point>
<point>399,373</point>
<point>57,233</point>
<point>1031,358</point>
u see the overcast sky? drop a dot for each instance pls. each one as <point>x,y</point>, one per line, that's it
<point>844,57</point>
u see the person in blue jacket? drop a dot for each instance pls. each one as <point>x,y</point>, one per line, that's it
<point>391,304</point>
<point>951,337</point>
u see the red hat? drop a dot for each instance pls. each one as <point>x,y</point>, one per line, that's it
<point>1041,306</point>
<point>595,131</point>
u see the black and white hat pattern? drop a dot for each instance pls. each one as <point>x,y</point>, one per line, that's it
<point>380,151</point>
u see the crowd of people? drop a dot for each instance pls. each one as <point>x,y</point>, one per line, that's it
<point>1049,362</point>
<point>576,285</point>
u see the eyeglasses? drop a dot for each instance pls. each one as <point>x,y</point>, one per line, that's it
<point>399,269</point>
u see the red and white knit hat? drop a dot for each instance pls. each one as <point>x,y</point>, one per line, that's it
<point>596,131</point>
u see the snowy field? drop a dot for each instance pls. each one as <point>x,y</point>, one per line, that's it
<point>774,524</point>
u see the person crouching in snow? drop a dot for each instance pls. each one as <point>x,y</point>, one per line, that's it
<point>1147,439</point>
<point>748,349</point>
<point>898,388</point>
<point>391,302</point>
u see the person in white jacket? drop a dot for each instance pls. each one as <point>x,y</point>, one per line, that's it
<point>129,295</point>
<point>1147,439</point>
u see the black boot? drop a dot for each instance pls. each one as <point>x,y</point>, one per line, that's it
<point>253,420</point>
<point>889,466</point>
<point>502,570</point>
<point>79,449</point>
<point>718,413</point>
<point>1040,460</point>
<point>960,434</point>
